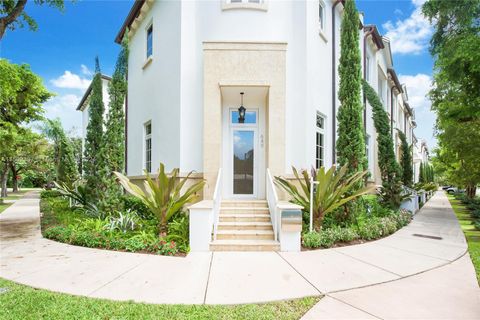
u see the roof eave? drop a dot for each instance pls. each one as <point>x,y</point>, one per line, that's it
<point>134,12</point>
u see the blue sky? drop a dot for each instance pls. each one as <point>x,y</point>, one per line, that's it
<point>63,50</point>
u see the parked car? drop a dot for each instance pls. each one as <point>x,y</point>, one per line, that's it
<point>451,190</point>
<point>446,187</point>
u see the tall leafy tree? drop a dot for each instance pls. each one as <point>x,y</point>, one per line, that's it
<point>13,15</point>
<point>22,94</point>
<point>64,152</point>
<point>93,155</point>
<point>406,161</point>
<point>351,139</point>
<point>455,96</point>
<point>114,140</point>
<point>389,169</point>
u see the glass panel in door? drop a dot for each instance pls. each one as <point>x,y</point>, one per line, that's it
<point>243,164</point>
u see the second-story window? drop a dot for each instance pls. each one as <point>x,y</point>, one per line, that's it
<point>321,15</point>
<point>320,141</point>
<point>149,41</point>
<point>148,147</point>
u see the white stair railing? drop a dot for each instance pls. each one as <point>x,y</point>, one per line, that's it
<point>272,199</point>
<point>217,200</point>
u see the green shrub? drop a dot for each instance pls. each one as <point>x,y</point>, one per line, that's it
<point>311,239</point>
<point>178,231</point>
<point>164,248</point>
<point>473,206</point>
<point>135,243</point>
<point>371,230</point>
<point>477,224</point>
<point>328,237</point>
<point>134,204</point>
<point>46,194</point>
<point>476,214</point>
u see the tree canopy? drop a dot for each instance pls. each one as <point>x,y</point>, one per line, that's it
<point>455,96</point>
<point>22,94</point>
<point>13,15</point>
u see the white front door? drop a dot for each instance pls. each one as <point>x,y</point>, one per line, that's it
<point>244,156</point>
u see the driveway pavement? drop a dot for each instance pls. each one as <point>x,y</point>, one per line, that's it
<point>406,275</point>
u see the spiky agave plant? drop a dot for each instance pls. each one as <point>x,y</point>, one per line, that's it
<point>163,195</point>
<point>332,191</point>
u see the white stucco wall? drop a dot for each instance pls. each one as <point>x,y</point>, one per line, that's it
<point>169,90</point>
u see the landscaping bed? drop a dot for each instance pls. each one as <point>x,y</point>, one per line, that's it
<point>370,221</point>
<point>468,214</point>
<point>133,230</point>
<point>22,302</point>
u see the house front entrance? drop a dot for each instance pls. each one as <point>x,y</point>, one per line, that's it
<point>244,143</point>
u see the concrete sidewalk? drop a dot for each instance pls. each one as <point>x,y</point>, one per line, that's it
<point>245,277</point>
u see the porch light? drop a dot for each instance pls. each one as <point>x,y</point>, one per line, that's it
<point>241,111</point>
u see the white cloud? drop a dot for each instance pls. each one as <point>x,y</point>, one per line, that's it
<point>64,107</point>
<point>411,35</point>
<point>86,71</point>
<point>418,87</point>
<point>70,81</point>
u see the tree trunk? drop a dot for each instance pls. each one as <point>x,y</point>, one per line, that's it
<point>14,177</point>
<point>11,16</point>
<point>471,190</point>
<point>3,179</point>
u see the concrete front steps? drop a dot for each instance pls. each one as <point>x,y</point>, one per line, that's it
<point>244,225</point>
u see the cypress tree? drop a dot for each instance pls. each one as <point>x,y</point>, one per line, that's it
<point>390,170</point>
<point>114,140</point>
<point>421,175</point>
<point>351,139</point>
<point>406,160</point>
<point>93,155</point>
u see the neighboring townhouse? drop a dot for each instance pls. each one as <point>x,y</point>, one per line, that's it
<point>421,155</point>
<point>241,90</point>
<point>83,106</point>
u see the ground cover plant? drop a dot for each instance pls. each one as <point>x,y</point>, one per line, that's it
<point>22,302</point>
<point>133,229</point>
<point>468,214</point>
<point>369,218</point>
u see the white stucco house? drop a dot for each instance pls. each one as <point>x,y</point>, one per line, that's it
<point>240,91</point>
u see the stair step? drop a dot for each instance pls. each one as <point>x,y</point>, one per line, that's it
<point>244,203</point>
<point>245,245</point>
<point>245,226</point>
<point>244,217</point>
<point>243,210</point>
<point>245,235</point>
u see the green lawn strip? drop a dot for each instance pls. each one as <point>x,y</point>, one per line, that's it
<point>22,302</point>
<point>4,206</point>
<point>471,234</point>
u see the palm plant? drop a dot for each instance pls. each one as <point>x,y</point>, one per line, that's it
<point>163,196</point>
<point>333,190</point>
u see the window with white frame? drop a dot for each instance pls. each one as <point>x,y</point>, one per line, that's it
<point>320,141</point>
<point>321,15</point>
<point>148,146</point>
<point>149,39</point>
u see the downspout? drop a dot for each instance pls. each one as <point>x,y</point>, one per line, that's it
<point>334,96</point>
<point>126,123</point>
<point>391,109</point>
<point>368,33</point>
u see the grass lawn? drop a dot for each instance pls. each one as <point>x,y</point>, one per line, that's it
<point>22,302</point>
<point>472,234</point>
<point>19,194</point>
<point>4,206</point>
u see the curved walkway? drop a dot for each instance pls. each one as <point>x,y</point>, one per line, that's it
<point>245,277</point>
